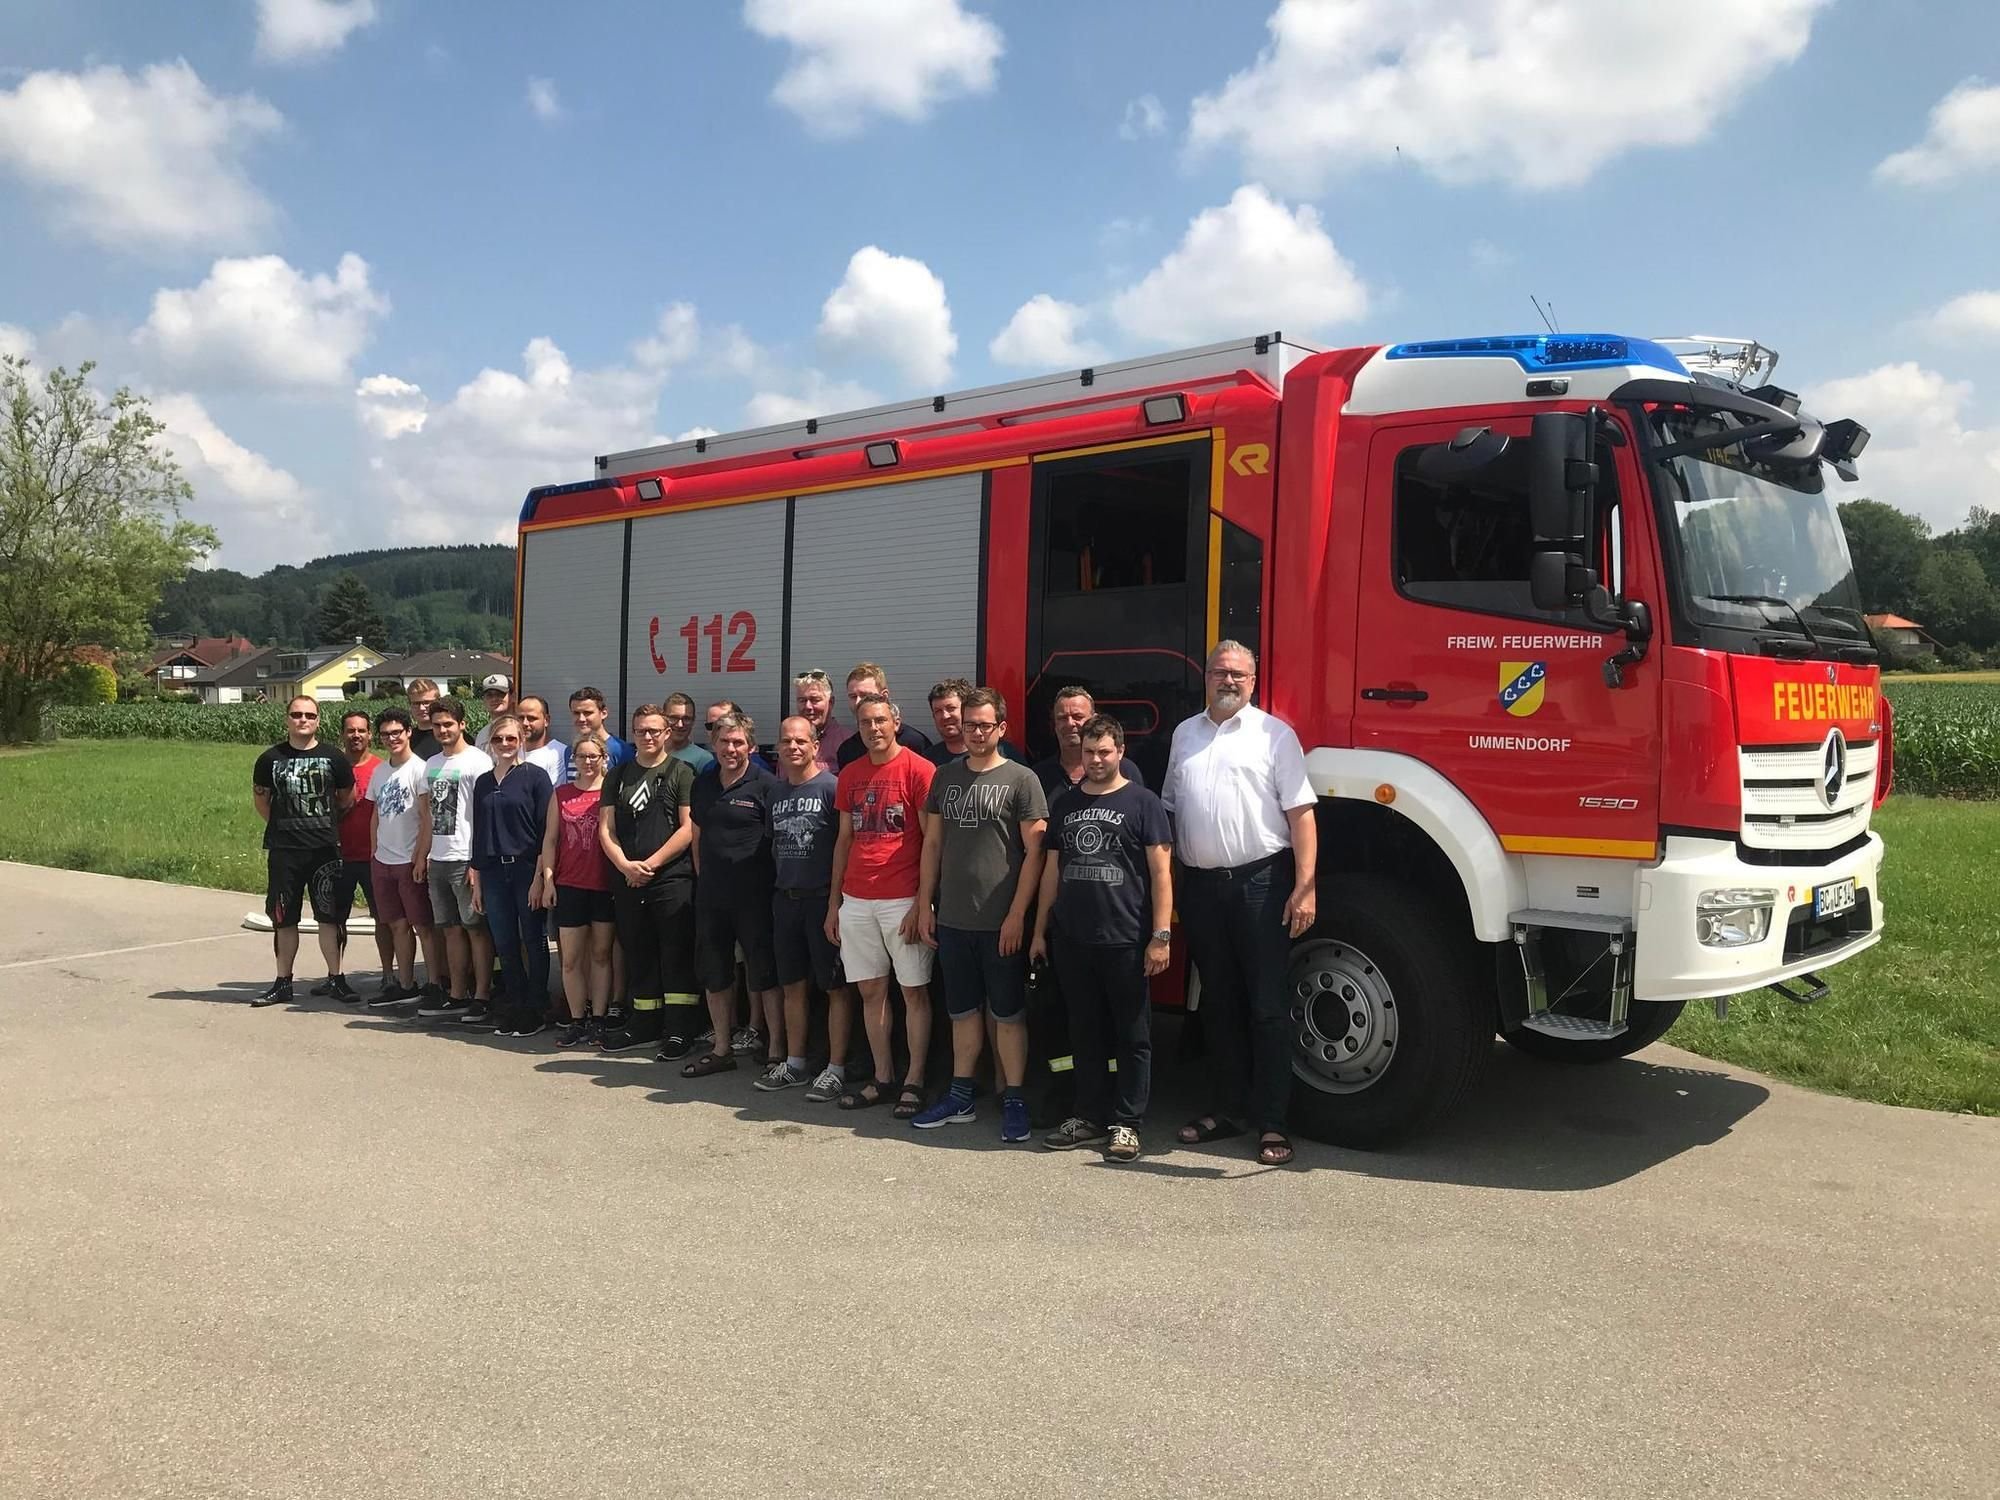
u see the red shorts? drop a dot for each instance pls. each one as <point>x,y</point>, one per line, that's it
<point>397,897</point>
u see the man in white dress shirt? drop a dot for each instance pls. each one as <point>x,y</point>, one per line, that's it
<point>1247,847</point>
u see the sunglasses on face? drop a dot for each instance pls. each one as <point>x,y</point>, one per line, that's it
<point>301,716</point>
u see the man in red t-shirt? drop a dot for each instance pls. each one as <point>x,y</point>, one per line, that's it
<point>871,912</point>
<point>357,849</point>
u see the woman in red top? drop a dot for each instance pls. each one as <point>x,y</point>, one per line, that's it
<point>576,880</point>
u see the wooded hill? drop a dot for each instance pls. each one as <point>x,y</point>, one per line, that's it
<point>428,597</point>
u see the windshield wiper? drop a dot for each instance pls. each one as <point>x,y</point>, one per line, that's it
<point>1785,604</point>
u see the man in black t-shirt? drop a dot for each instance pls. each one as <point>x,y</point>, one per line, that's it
<point>868,678</point>
<point>731,809</point>
<point>1109,895</point>
<point>643,827</point>
<point>1074,708</point>
<point>300,789</point>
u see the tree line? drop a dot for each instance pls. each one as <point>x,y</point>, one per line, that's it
<point>1948,583</point>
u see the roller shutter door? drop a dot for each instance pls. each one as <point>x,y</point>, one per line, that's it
<point>708,598</point>
<point>889,574</point>
<point>569,627</point>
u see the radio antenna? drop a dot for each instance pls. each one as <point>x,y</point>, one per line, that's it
<point>1543,313</point>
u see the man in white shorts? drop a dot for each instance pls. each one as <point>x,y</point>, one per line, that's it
<point>871,914</point>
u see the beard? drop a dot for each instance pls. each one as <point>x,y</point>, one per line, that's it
<point>1229,700</point>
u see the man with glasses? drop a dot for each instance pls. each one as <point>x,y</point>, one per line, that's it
<point>983,826</point>
<point>812,700</point>
<point>680,733</point>
<point>398,804</point>
<point>1247,846</point>
<point>300,789</point>
<point>868,680</point>
<point>1063,771</point>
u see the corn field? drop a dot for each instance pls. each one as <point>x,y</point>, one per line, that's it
<point>211,723</point>
<point>1947,738</point>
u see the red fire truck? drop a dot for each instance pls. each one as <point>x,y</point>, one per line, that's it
<point>1566,623</point>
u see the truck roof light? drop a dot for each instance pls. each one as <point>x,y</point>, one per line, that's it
<point>1164,411</point>
<point>1776,395</point>
<point>649,489</point>
<point>1548,351</point>
<point>884,455</point>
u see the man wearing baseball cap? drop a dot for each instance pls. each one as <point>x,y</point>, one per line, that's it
<point>498,691</point>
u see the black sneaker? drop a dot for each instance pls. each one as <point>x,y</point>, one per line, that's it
<point>674,1048</point>
<point>614,1017</point>
<point>479,1015</point>
<point>526,1023</point>
<point>344,992</point>
<point>442,1008</point>
<point>326,988</point>
<point>391,994</point>
<point>624,1039</point>
<point>279,993</point>
<point>573,1034</point>
<point>430,992</point>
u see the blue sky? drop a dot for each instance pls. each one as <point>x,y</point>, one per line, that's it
<point>384,264</point>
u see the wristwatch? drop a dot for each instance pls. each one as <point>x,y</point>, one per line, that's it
<point>1164,935</point>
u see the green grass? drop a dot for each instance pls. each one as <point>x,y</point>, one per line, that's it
<point>1899,678</point>
<point>1914,1021</point>
<point>149,809</point>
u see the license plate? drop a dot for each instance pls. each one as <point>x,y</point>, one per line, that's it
<point>1834,898</point>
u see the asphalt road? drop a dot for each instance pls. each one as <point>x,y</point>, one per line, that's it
<point>312,1253</point>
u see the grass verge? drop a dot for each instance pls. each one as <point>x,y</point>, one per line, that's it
<point>1914,1021</point>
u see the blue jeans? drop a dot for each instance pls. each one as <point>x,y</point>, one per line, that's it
<point>520,931</point>
<point>1234,920</point>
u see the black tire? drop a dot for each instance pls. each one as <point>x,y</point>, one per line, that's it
<point>1565,956</point>
<point>1408,967</point>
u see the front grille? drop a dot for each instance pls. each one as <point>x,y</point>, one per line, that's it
<point>1781,806</point>
<point>1806,938</point>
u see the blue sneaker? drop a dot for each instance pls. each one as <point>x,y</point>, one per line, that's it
<point>947,1111</point>
<point>1013,1119</point>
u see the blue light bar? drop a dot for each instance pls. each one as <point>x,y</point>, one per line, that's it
<point>1549,351</point>
<point>545,491</point>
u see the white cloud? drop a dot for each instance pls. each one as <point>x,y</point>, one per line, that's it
<point>1250,266</point>
<point>1144,116</point>
<point>859,58</point>
<point>1045,333</point>
<point>1922,457</point>
<point>455,470</point>
<point>674,339</point>
<point>151,159</point>
<point>389,407</point>
<point>304,30</point>
<point>543,100</point>
<point>16,342</point>
<point>259,321</point>
<point>809,394</point>
<point>1975,315</point>
<point>694,432</point>
<point>1964,137</point>
<point>1487,258</point>
<point>893,308</point>
<point>1539,93</point>
<point>262,512</point>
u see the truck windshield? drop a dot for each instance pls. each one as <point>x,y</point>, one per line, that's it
<point>1761,546</point>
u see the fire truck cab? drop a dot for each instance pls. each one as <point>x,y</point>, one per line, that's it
<point>1566,625</point>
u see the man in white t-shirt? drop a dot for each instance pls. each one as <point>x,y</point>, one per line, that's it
<point>399,803</point>
<point>538,746</point>
<point>450,777</point>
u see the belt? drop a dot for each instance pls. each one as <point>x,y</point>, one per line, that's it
<point>804,893</point>
<point>510,859</point>
<point>1238,872</point>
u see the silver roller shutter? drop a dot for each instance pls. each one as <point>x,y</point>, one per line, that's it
<point>889,574</point>
<point>724,569</point>
<point>569,614</point>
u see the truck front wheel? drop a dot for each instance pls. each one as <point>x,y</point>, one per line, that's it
<point>1388,1026</point>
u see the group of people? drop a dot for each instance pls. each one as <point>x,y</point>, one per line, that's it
<point>854,853</point>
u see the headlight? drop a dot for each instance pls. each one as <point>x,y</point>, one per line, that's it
<point>1734,917</point>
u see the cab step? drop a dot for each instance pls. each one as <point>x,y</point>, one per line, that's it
<point>1574,1028</point>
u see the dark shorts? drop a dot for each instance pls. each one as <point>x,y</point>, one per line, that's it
<point>800,950</point>
<point>355,875</point>
<point>973,971</point>
<point>295,875</point>
<point>720,929</point>
<point>577,907</point>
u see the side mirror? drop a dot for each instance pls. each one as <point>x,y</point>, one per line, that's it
<point>1464,456</point>
<point>1561,477</point>
<point>1548,580</point>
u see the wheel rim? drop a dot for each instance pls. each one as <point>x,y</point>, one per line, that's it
<point>1344,1018</point>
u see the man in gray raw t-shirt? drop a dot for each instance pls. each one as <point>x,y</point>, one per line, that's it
<point>982,863</point>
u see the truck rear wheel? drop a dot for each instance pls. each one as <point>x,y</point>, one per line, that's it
<point>1389,1027</point>
<point>1577,970</point>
